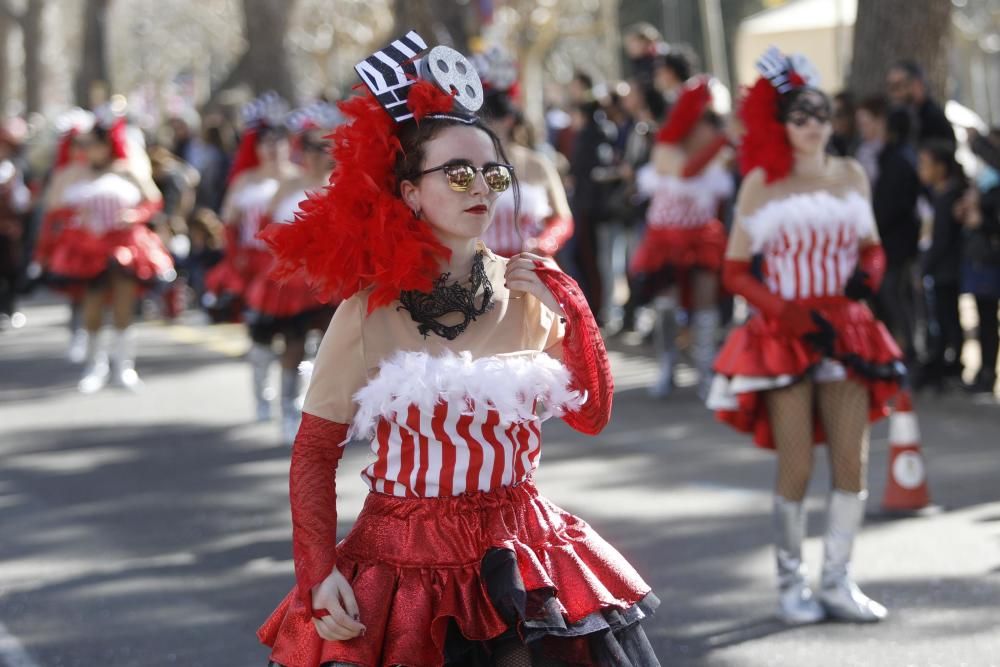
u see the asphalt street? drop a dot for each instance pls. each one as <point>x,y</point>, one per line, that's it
<point>153,529</point>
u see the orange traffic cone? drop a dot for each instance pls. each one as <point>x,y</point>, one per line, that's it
<point>906,490</point>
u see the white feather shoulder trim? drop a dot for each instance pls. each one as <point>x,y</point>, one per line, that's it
<point>814,211</point>
<point>510,384</point>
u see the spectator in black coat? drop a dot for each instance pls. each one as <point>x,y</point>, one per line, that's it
<point>907,86</point>
<point>942,263</point>
<point>890,164</point>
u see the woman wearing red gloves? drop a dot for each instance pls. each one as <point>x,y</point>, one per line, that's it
<point>680,256</point>
<point>812,365</point>
<point>440,354</point>
<point>107,248</point>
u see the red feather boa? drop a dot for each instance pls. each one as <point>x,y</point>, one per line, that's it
<point>686,112</point>
<point>356,233</point>
<point>765,143</point>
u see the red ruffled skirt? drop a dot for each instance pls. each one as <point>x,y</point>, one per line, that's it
<point>415,566</point>
<point>79,255</point>
<point>681,248</point>
<point>238,269</point>
<point>758,356</point>
<point>281,299</point>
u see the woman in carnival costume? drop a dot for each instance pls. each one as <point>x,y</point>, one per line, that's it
<point>69,166</point>
<point>261,163</point>
<point>543,222</point>
<point>684,242</point>
<point>812,364</point>
<point>441,353</point>
<point>290,308</point>
<point>107,248</point>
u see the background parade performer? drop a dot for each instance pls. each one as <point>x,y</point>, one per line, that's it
<point>813,364</point>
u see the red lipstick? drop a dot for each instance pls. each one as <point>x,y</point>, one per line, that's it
<point>477,210</point>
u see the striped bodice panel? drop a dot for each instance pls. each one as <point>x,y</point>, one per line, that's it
<point>809,242</point>
<point>448,425</point>
<point>503,236</point>
<point>450,451</point>
<point>684,202</point>
<point>99,202</point>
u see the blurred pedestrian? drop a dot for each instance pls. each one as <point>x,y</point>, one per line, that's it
<point>15,201</point>
<point>889,162</point>
<point>941,264</point>
<point>844,139</point>
<point>979,212</point>
<point>906,84</point>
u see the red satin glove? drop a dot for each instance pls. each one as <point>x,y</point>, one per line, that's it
<point>694,165</point>
<point>868,274</point>
<point>312,490</point>
<point>557,231</point>
<point>144,212</point>
<point>790,316</point>
<point>584,353</point>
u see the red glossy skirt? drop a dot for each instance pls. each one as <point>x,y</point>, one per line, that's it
<point>758,356</point>
<point>281,299</point>
<point>79,255</point>
<point>481,563</point>
<point>681,248</point>
<point>236,272</point>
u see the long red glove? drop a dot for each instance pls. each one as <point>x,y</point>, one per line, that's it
<point>557,231</point>
<point>868,274</point>
<point>583,353</point>
<point>52,224</point>
<point>312,489</point>
<point>700,160</point>
<point>791,317</point>
<point>145,211</point>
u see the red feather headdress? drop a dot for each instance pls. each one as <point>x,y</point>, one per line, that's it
<point>357,233</point>
<point>765,143</point>
<point>687,111</point>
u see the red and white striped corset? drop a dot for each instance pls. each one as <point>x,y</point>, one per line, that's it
<point>684,202</point>
<point>448,425</point>
<point>502,235</point>
<point>251,202</point>
<point>99,202</point>
<point>810,242</point>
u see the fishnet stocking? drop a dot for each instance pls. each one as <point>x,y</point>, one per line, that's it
<point>843,411</point>
<point>512,654</point>
<point>121,291</point>
<point>704,289</point>
<point>790,410</point>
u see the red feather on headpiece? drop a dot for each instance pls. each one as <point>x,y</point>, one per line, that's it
<point>765,143</point>
<point>357,233</point>
<point>686,112</point>
<point>246,154</point>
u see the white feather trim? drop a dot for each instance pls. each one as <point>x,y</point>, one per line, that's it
<point>106,185</point>
<point>509,384</point>
<point>813,211</point>
<point>706,188</point>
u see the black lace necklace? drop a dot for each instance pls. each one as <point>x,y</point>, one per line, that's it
<point>426,308</point>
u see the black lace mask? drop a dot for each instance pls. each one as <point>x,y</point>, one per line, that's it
<point>427,308</point>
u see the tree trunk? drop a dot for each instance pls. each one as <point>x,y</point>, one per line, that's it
<point>444,22</point>
<point>6,25</point>
<point>887,31</point>
<point>31,38</point>
<point>93,80</point>
<point>267,59</point>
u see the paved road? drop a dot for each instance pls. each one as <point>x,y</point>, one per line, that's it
<point>153,529</point>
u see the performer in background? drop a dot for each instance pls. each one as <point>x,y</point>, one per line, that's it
<point>107,248</point>
<point>289,309</point>
<point>812,364</point>
<point>441,354</point>
<point>680,255</point>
